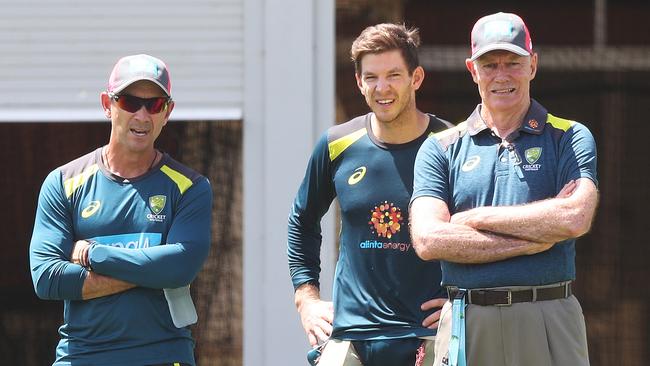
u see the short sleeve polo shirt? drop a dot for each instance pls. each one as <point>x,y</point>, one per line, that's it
<point>470,167</point>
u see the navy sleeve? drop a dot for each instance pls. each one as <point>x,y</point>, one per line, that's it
<point>311,203</point>
<point>174,264</point>
<point>53,275</point>
<point>431,172</point>
<point>578,155</point>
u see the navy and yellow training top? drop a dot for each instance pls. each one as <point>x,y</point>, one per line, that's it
<point>152,231</point>
<point>380,282</point>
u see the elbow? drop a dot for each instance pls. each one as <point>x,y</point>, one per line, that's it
<point>578,224</point>
<point>43,290</point>
<point>579,227</point>
<point>42,293</point>
<point>42,286</point>
<point>423,250</point>
<point>180,279</point>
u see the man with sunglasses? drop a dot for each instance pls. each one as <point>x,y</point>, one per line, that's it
<point>121,232</point>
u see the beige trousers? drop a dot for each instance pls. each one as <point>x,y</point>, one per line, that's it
<point>542,333</point>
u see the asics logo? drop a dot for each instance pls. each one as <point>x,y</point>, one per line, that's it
<point>90,210</point>
<point>358,174</point>
<point>471,163</point>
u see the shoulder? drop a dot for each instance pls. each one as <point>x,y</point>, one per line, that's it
<point>448,137</point>
<point>559,123</point>
<point>561,127</point>
<point>75,173</point>
<point>342,136</point>
<point>183,176</point>
<point>80,165</point>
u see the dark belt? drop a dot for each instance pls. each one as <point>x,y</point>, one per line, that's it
<point>509,297</point>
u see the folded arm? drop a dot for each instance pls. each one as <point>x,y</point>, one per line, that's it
<point>435,238</point>
<point>568,215</point>
<point>172,265</point>
<point>54,276</point>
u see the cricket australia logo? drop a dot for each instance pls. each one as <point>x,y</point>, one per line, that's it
<point>532,155</point>
<point>157,205</point>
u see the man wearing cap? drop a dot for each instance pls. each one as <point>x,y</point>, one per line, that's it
<point>121,232</point>
<point>499,200</point>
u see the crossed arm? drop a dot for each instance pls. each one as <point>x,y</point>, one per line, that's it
<point>489,234</point>
<point>57,261</point>
<point>95,285</point>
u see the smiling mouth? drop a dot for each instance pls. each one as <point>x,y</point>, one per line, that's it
<point>385,101</point>
<point>503,91</point>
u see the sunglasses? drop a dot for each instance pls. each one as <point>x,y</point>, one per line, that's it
<point>133,104</point>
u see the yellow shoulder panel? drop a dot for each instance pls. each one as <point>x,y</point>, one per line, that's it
<point>181,181</point>
<point>339,145</point>
<point>71,184</point>
<point>559,123</point>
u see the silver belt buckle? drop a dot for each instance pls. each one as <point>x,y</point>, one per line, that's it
<point>509,303</point>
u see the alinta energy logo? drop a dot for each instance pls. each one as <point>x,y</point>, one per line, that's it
<point>385,221</point>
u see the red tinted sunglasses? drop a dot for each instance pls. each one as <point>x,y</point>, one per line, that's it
<point>133,104</point>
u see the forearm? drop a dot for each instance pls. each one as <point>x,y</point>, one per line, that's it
<point>540,222</point>
<point>58,280</point>
<point>303,251</point>
<point>163,266</point>
<point>462,244</point>
<point>546,221</point>
<point>435,238</point>
<point>97,285</point>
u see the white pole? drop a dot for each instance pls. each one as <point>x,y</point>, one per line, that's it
<point>288,102</point>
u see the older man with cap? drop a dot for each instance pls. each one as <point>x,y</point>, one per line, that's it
<point>499,201</point>
<point>121,232</point>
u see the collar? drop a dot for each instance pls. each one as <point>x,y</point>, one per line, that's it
<point>533,122</point>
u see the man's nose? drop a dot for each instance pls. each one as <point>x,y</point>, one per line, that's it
<point>382,85</point>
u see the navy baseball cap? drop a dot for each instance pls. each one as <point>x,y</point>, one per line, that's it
<point>501,31</point>
<point>130,69</point>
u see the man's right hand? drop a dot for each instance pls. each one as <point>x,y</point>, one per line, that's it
<point>316,315</point>
<point>80,253</point>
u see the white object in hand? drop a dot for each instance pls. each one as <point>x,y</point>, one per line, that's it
<point>181,306</point>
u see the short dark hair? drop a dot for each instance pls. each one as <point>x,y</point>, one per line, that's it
<point>387,37</point>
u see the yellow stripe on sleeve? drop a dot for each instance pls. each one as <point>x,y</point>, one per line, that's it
<point>559,123</point>
<point>181,181</point>
<point>71,184</point>
<point>339,145</point>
